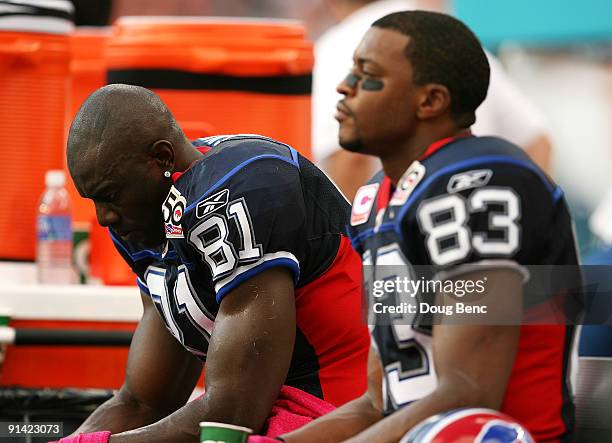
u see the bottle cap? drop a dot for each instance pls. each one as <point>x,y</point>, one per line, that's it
<point>55,178</point>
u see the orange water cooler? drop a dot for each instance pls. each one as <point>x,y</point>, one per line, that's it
<point>35,102</point>
<point>220,75</point>
<point>34,68</point>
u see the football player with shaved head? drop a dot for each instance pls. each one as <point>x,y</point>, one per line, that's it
<point>239,246</point>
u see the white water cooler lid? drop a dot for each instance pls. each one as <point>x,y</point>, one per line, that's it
<point>42,16</point>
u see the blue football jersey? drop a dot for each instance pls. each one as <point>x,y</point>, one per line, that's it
<point>476,200</point>
<point>249,204</point>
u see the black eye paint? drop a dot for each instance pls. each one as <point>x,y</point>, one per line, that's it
<point>352,80</point>
<point>370,84</point>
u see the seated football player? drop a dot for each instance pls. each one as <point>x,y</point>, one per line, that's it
<point>472,209</point>
<point>239,247</point>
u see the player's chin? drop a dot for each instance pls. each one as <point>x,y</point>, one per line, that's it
<point>351,144</point>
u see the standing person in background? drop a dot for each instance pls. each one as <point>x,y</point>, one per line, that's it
<point>506,112</point>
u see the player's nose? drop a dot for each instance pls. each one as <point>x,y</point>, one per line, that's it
<point>105,215</point>
<point>346,87</point>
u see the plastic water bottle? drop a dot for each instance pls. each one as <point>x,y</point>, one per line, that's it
<point>54,232</point>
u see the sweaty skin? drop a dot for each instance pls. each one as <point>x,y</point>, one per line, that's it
<point>120,144</point>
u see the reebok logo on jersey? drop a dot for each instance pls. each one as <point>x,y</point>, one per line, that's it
<point>173,210</point>
<point>212,203</point>
<point>362,205</point>
<point>468,180</point>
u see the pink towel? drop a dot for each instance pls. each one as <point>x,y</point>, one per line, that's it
<point>94,437</point>
<point>292,409</point>
<point>262,439</point>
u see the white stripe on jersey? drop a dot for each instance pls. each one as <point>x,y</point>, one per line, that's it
<point>215,140</point>
<point>142,282</point>
<point>242,269</point>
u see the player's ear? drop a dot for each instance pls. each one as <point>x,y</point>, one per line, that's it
<point>163,153</point>
<point>434,100</point>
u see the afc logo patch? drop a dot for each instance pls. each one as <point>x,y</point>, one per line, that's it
<point>173,210</point>
<point>362,205</point>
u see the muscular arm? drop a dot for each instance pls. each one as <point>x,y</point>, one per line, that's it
<point>350,418</point>
<point>467,375</point>
<point>160,376</point>
<point>248,359</point>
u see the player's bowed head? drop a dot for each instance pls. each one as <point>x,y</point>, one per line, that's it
<point>123,146</point>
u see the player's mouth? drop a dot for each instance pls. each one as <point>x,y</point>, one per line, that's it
<point>342,112</point>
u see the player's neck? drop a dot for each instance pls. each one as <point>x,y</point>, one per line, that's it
<point>186,156</point>
<point>396,163</point>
